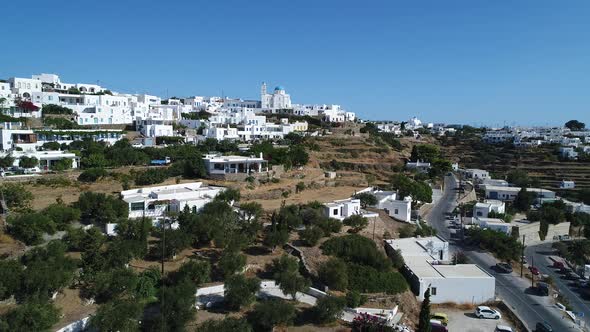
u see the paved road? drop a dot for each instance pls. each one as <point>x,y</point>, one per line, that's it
<point>509,287</point>
<point>539,254</point>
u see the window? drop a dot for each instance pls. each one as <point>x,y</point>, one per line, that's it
<point>335,212</point>
<point>137,206</point>
<point>432,290</point>
<point>396,211</point>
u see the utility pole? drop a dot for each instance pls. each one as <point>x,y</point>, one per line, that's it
<point>522,255</point>
<point>374,222</point>
<point>532,274</point>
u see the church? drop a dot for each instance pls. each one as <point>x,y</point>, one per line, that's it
<point>277,100</point>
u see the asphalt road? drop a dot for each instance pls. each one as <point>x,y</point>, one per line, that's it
<point>511,288</point>
<point>539,255</point>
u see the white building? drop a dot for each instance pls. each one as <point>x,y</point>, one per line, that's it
<point>567,184</point>
<point>427,265</point>
<point>510,193</point>
<point>45,159</point>
<point>494,183</point>
<point>484,209</point>
<point>476,174</point>
<point>154,202</point>
<point>493,224</point>
<point>154,128</point>
<point>31,140</point>
<point>342,209</point>
<point>420,166</point>
<point>399,209</point>
<point>568,152</point>
<point>216,164</point>
<point>277,100</point>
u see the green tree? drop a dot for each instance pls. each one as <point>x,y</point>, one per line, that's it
<point>228,195</point>
<point>424,317</point>
<point>311,235</point>
<point>196,271</point>
<point>328,309</point>
<point>30,227</point>
<point>355,299</point>
<point>228,324</point>
<point>62,215</point>
<point>334,274</point>
<point>519,178</point>
<point>28,162</point>
<point>16,195</point>
<point>31,316</point>
<point>268,314</point>
<point>524,200</point>
<point>231,262</point>
<point>286,274</point>
<point>367,199</point>
<point>6,161</point>
<point>10,273</point>
<point>177,306</point>
<point>240,291</point>
<point>425,152</point>
<point>100,209</point>
<point>575,125</point>
<point>118,315</point>
<point>357,222</point>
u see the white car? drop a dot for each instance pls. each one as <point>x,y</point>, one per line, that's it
<point>487,312</point>
<point>503,328</point>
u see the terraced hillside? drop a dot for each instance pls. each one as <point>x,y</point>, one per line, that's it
<point>540,163</point>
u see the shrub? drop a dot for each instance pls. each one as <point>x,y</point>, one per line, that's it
<point>54,181</point>
<point>328,309</point>
<point>358,249</point>
<point>228,324</point>
<point>16,196</point>
<point>62,215</point>
<point>334,274</point>
<point>357,222</point>
<point>269,314</point>
<point>355,299</point>
<point>366,279</point>
<point>151,176</point>
<point>311,235</point>
<point>92,175</point>
<point>30,227</point>
<point>240,291</point>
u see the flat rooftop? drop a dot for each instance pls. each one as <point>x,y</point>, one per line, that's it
<point>424,265</point>
<point>166,192</point>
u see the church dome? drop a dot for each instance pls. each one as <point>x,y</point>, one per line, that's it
<point>279,88</point>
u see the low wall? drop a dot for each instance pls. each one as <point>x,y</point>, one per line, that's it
<point>513,317</point>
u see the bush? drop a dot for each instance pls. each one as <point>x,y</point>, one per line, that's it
<point>151,176</point>
<point>228,324</point>
<point>100,208</point>
<point>231,262</point>
<point>311,235</point>
<point>28,162</point>
<point>366,279</point>
<point>31,316</point>
<point>358,249</point>
<point>54,181</point>
<point>269,314</point>
<point>16,196</point>
<point>500,244</point>
<point>92,175</point>
<point>240,291</point>
<point>30,227</point>
<point>328,309</point>
<point>357,222</point>
<point>355,299</point>
<point>62,215</point>
<point>62,164</point>
<point>334,274</point>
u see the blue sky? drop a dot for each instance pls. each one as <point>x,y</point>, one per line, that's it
<point>474,62</point>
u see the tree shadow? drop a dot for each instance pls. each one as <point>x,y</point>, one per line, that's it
<point>257,251</point>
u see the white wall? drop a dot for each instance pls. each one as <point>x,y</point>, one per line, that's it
<point>459,290</point>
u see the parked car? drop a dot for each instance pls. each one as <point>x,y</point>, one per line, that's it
<point>543,327</point>
<point>542,289</point>
<point>504,267</point>
<point>487,312</point>
<point>558,265</point>
<point>534,270</point>
<point>442,317</point>
<point>437,326</point>
<point>571,275</point>
<point>504,328</point>
<point>523,258</point>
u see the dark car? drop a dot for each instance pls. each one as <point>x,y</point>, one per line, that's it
<point>543,327</point>
<point>558,265</point>
<point>542,289</point>
<point>504,267</point>
<point>572,276</point>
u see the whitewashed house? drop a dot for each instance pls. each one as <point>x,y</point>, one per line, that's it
<point>567,184</point>
<point>342,209</point>
<point>483,209</point>
<point>154,202</point>
<point>220,165</point>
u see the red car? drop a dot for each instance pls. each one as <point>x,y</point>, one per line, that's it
<point>558,265</point>
<point>534,270</point>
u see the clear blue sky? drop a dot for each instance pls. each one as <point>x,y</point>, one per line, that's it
<point>470,61</point>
